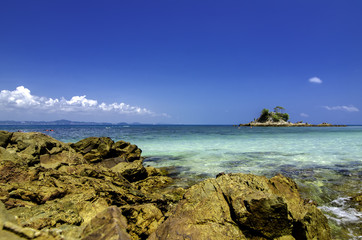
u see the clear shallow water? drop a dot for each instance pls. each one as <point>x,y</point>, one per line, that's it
<point>325,162</point>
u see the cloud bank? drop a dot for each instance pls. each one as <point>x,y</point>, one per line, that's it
<point>350,108</point>
<point>22,99</point>
<point>315,80</point>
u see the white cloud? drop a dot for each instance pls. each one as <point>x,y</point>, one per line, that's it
<point>304,115</point>
<point>315,80</point>
<point>22,99</point>
<point>349,108</point>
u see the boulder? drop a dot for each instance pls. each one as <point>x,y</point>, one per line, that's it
<point>33,148</point>
<point>142,219</point>
<point>109,224</point>
<point>94,149</point>
<point>133,171</point>
<point>243,206</point>
<point>104,149</point>
<point>5,138</point>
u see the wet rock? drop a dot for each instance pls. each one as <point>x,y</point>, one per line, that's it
<point>357,201</point>
<point>240,206</point>
<point>109,224</point>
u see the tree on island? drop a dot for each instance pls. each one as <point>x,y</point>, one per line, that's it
<point>276,116</point>
<point>278,109</point>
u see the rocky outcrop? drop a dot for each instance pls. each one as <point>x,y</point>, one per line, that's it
<point>59,189</point>
<point>99,189</point>
<point>33,148</point>
<point>103,149</point>
<point>240,206</point>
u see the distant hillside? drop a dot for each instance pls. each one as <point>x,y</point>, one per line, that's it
<point>60,122</point>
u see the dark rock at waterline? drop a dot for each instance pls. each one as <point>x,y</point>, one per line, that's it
<point>98,189</point>
<point>357,201</point>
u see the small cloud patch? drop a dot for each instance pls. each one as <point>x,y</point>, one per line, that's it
<point>316,80</point>
<point>349,108</point>
<point>304,115</point>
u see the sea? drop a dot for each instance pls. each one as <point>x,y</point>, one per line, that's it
<point>325,162</point>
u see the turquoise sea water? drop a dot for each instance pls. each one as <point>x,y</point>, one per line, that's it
<point>325,162</point>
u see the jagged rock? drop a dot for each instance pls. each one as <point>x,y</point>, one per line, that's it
<point>11,230</point>
<point>133,171</point>
<point>94,149</point>
<point>142,219</point>
<point>151,183</point>
<point>152,171</point>
<point>101,149</point>
<point>109,224</point>
<point>5,138</point>
<point>202,214</point>
<point>240,206</point>
<point>33,148</point>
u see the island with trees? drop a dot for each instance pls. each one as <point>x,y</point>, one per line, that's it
<point>279,118</point>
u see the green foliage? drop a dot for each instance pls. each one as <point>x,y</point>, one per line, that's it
<point>264,116</point>
<point>276,117</point>
<point>278,109</point>
<point>285,116</point>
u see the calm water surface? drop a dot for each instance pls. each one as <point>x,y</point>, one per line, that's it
<point>325,162</point>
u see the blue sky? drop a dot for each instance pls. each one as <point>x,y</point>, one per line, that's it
<point>189,62</point>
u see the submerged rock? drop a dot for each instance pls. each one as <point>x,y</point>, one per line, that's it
<point>99,189</point>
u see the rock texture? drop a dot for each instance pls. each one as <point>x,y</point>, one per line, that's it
<point>240,206</point>
<point>58,189</point>
<point>99,189</point>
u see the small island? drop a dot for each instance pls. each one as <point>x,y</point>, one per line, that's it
<point>279,118</point>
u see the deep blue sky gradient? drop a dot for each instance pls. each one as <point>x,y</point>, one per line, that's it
<point>197,62</point>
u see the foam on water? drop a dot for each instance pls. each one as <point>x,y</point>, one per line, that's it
<point>341,212</point>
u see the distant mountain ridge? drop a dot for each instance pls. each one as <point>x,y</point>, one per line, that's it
<point>62,122</point>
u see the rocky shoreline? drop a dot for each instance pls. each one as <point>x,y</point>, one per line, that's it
<point>100,189</point>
